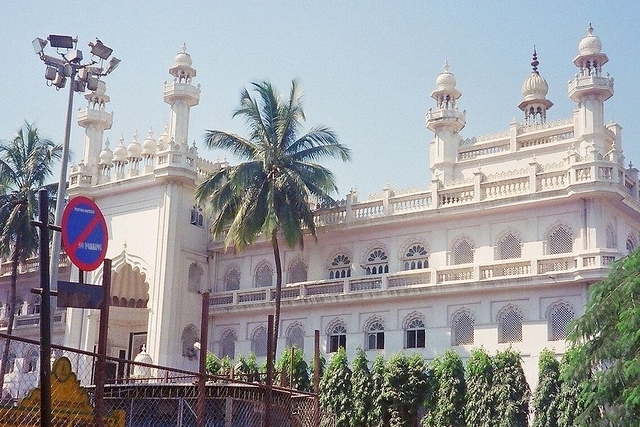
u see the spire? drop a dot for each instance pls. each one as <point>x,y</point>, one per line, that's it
<point>534,60</point>
<point>181,94</point>
<point>534,91</point>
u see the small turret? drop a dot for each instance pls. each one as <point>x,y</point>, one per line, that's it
<point>181,95</point>
<point>534,91</point>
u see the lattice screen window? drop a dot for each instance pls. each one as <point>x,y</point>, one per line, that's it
<point>297,271</point>
<point>34,305</point>
<point>631,243</point>
<point>259,342</point>
<point>231,279</point>
<point>612,239</point>
<point>416,334</point>
<point>337,338</point>
<point>560,240</point>
<point>228,345</point>
<point>264,276</point>
<point>559,319</point>
<point>375,336</point>
<point>194,283</point>
<point>295,336</point>
<point>462,252</point>
<point>340,267</point>
<point>377,262</point>
<point>510,247</point>
<point>462,329</point>
<point>31,361</point>
<point>416,257</point>
<point>510,326</point>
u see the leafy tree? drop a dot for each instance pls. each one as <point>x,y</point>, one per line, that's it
<point>605,360</point>
<point>271,190</point>
<point>510,389</point>
<point>479,403</point>
<point>335,389</point>
<point>217,366</point>
<point>25,164</point>
<point>301,379</point>
<point>546,398</point>
<point>572,401</point>
<point>380,411</point>
<point>362,389</point>
<point>449,392</point>
<point>247,368</point>
<point>405,388</point>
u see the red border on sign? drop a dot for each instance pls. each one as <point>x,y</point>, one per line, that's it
<point>98,221</point>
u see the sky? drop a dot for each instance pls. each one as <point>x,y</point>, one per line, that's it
<point>367,68</point>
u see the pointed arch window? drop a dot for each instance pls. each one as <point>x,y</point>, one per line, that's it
<point>377,262</point>
<point>462,328</point>
<point>264,276</point>
<point>509,247</point>
<point>337,338</point>
<point>510,325</point>
<point>259,342</point>
<point>612,239</point>
<point>340,267</point>
<point>631,243</point>
<point>415,334</point>
<point>559,318</point>
<point>375,336</point>
<point>295,336</point>
<point>231,279</point>
<point>462,252</point>
<point>416,257</point>
<point>297,271</point>
<point>194,283</point>
<point>560,240</point>
<point>228,344</point>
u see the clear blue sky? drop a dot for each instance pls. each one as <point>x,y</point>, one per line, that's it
<point>367,67</point>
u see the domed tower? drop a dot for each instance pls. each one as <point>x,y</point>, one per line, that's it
<point>590,89</point>
<point>445,122</point>
<point>534,91</point>
<point>95,120</point>
<point>181,95</point>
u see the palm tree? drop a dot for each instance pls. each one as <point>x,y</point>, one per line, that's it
<point>271,190</point>
<point>25,164</point>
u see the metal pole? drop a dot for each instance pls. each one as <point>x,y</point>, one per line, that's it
<point>45,311</point>
<point>269,384</point>
<point>202,366</point>
<point>316,377</point>
<point>102,341</point>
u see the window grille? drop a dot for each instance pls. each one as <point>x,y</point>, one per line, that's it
<point>416,258</point>
<point>228,345</point>
<point>560,240</point>
<point>337,338</point>
<point>297,272</point>
<point>295,336</point>
<point>612,240</point>
<point>462,329</point>
<point>559,319</point>
<point>415,334</point>
<point>340,267</point>
<point>195,278</point>
<point>32,360</point>
<point>375,336</point>
<point>462,252</point>
<point>197,218</point>
<point>510,326</point>
<point>259,342</point>
<point>34,307</point>
<point>510,247</point>
<point>231,279</point>
<point>264,276</point>
<point>631,243</point>
<point>377,262</point>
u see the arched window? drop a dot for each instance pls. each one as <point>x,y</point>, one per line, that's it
<point>259,342</point>
<point>31,361</point>
<point>264,276</point>
<point>228,344</point>
<point>375,336</point>
<point>34,305</point>
<point>612,238</point>
<point>559,317</point>
<point>231,279</point>
<point>297,271</point>
<point>195,278</point>
<point>462,252</point>
<point>416,257</point>
<point>189,337</point>
<point>631,243</point>
<point>295,336</point>
<point>509,247</point>
<point>377,262</point>
<point>337,337</point>
<point>560,240</point>
<point>415,333</point>
<point>340,267</point>
<point>510,325</point>
<point>462,328</point>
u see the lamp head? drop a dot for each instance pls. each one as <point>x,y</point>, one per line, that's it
<point>64,42</point>
<point>113,64</point>
<point>39,45</point>
<point>100,50</point>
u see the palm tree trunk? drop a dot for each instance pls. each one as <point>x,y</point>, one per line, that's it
<point>12,315</point>
<point>276,316</point>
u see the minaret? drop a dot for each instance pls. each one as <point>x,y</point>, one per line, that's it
<point>534,92</point>
<point>181,95</point>
<point>445,122</point>
<point>95,120</point>
<point>590,89</point>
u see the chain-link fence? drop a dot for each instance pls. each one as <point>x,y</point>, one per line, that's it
<point>138,394</point>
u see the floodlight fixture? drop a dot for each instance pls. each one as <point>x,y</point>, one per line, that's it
<point>74,55</point>
<point>113,64</point>
<point>39,45</point>
<point>64,42</point>
<point>100,50</point>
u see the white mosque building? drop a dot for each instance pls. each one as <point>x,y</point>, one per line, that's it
<point>497,250</point>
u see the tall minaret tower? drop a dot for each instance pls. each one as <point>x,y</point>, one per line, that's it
<point>534,91</point>
<point>181,95</point>
<point>445,122</point>
<point>590,89</point>
<point>95,120</point>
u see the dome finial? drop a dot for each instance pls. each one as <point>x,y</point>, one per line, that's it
<point>589,29</point>
<point>534,60</point>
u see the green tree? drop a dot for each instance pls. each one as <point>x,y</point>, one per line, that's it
<point>405,388</point>
<point>572,401</point>
<point>247,368</point>
<point>510,389</point>
<point>605,360</point>
<point>301,379</point>
<point>335,389</point>
<point>449,392</point>
<point>479,402</point>
<point>362,390</point>
<point>380,411</point>
<point>272,189</point>
<point>25,165</point>
<point>546,398</point>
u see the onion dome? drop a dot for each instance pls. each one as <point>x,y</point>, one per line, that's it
<point>134,148</point>
<point>163,140</point>
<point>535,87</point>
<point>182,69</point>
<point>149,145</point>
<point>120,152</point>
<point>106,155</point>
<point>445,92</point>
<point>142,357</point>
<point>590,44</point>
<point>446,80</point>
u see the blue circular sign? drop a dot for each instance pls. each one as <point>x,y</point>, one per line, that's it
<point>84,233</point>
